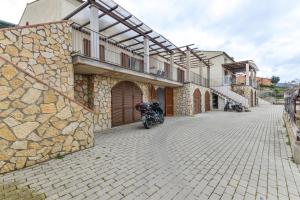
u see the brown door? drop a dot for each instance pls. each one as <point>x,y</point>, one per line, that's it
<point>167,70</point>
<point>169,102</point>
<point>125,95</point>
<point>124,60</point>
<point>207,101</point>
<point>87,47</point>
<point>197,101</point>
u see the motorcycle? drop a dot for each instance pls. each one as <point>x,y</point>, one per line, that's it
<point>230,106</point>
<point>151,113</point>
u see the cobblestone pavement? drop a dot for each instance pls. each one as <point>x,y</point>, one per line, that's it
<point>215,155</point>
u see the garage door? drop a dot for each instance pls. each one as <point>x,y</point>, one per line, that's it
<point>207,101</point>
<point>197,101</point>
<point>125,95</point>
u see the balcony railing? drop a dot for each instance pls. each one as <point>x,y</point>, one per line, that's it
<point>117,56</point>
<point>199,80</point>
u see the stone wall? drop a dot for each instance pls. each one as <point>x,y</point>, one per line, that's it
<point>42,50</point>
<point>101,99</point>
<point>245,91</point>
<point>37,122</point>
<point>184,99</point>
<point>83,89</point>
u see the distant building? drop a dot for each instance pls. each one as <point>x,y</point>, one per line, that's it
<point>264,81</point>
<point>4,24</point>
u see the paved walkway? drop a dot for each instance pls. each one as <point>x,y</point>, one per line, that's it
<point>214,155</point>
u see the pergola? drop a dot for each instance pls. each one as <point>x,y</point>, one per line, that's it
<point>243,67</point>
<point>112,23</point>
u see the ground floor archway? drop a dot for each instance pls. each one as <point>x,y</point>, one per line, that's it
<point>124,96</point>
<point>197,101</point>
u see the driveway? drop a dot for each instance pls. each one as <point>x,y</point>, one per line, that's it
<point>214,155</point>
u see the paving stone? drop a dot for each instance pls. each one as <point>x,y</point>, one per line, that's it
<point>214,155</point>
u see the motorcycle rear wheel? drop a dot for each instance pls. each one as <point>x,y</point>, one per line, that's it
<point>162,119</point>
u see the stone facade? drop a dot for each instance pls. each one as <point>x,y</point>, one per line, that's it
<point>83,89</point>
<point>184,100</point>
<point>42,50</point>
<point>37,122</point>
<point>99,97</point>
<point>245,91</point>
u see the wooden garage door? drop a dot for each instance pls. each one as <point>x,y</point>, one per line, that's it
<point>169,102</point>
<point>207,101</point>
<point>197,101</point>
<point>125,95</point>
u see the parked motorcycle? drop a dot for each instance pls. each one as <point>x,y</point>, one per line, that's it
<point>231,106</point>
<point>151,113</point>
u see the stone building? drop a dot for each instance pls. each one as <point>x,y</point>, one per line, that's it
<point>81,68</point>
<point>225,82</point>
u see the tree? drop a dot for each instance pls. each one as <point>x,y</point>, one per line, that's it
<point>275,79</point>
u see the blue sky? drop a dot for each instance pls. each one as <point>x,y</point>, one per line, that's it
<point>267,31</point>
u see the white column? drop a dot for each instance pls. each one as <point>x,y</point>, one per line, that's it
<point>146,55</point>
<point>201,73</point>
<point>188,65</point>
<point>247,74</point>
<point>255,83</point>
<point>171,66</point>
<point>95,42</point>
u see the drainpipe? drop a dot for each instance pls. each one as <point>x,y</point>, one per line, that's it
<point>146,55</point>
<point>188,65</point>
<point>171,66</point>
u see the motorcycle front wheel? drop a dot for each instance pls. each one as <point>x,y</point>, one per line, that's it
<point>147,124</point>
<point>162,119</point>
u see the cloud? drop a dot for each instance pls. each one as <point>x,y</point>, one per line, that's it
<point>266,31</point>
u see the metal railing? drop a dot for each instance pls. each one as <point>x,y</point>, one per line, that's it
<point>198,79</point>
<point>292,107</point>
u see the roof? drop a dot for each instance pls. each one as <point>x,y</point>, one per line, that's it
<point>215,54</point>
<point>120,27</point>
<point>240,66</point>
<point>4,24</point>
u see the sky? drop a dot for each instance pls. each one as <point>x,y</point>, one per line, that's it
<point>266,31</point>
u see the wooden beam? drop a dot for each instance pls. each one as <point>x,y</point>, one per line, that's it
<point>136,36</point>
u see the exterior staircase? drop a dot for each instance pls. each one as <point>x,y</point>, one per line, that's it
<point>226,93</point>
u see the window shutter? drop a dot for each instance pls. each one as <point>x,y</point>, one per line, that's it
<point>102,53</point>
<point>87,47</point>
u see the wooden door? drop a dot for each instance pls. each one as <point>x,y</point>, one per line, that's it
<point>207,101</point>
<point>87,47</point>
<point>197,101</point>
<point>169,102</point>
<point>125,95</point>
<point>167,69</point>
<point>124,60</point>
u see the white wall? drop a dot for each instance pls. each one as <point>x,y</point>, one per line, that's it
<point>43,11</point>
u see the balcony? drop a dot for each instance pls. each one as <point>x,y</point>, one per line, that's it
<point>198,79</point>
<point>119,62</point>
